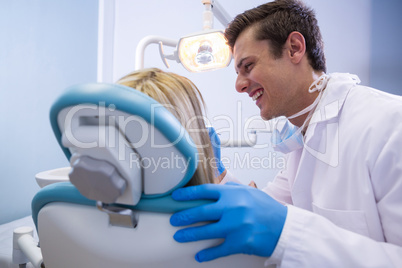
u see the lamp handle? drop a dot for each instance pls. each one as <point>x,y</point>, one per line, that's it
<point>146,41</point>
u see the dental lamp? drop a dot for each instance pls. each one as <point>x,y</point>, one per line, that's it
<point>198,52</point>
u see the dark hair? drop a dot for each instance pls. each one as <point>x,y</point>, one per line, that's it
<point>274,21</point>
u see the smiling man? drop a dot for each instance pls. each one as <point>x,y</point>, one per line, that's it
<point>338,203</point>
<point>277,84</point>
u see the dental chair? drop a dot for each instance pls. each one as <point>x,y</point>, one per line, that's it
<point>127,154</point>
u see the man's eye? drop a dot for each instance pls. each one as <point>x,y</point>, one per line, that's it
<point>248,66</point>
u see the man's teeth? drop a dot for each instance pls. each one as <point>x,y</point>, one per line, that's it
<point>256,95</point>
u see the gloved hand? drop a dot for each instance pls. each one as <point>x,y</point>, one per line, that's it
<point>216,147</point>
<point>248,219</point>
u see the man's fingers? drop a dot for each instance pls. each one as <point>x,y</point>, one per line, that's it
<point>213,253</point>
<point>204,191</point>
<point>208,231</point>
<point>202,213</point>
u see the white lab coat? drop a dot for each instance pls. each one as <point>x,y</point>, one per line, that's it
<point>344,188</point>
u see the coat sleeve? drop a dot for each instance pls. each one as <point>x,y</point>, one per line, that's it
<point>310,240</point>
<point>279,188</point>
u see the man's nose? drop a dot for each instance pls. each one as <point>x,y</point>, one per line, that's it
<point>242,84</point>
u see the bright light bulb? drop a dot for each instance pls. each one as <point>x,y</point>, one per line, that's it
<point>204,51</point>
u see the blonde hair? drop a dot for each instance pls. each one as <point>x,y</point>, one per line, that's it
<point>183,99</point>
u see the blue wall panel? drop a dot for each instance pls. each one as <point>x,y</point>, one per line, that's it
<point>386,40</point>
<point>45,46</point>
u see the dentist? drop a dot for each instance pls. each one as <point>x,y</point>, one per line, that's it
<point>338,203</point>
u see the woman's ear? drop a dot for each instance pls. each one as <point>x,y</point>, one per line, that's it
<point>297,46</point>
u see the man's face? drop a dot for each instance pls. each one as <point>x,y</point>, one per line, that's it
<point>268,81</point>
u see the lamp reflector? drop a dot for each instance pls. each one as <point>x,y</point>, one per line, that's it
<point>204,51</point>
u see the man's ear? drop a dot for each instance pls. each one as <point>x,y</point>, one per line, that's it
<point>296,46</point>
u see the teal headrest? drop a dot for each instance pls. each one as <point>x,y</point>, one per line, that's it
<point>132,102</point>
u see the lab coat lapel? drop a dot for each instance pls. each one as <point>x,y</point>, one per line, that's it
<point>332,101</point>
<point>321,139</point>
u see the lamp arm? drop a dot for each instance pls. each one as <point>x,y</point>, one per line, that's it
<point>147,40</point>
<point>249,141</point>
<point>220,13</point>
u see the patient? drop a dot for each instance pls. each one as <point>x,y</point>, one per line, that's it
<point>182,98</point>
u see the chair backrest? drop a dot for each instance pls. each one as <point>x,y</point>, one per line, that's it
<point>74,233</point>
<point>115,211</point>
<point>122,144</point>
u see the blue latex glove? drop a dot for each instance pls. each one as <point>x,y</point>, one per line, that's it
<point>216,147</point>
<point>248,219</point>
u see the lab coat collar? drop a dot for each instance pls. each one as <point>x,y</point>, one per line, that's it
<point>333,98</point>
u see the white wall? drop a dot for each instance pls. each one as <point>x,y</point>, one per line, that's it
<point>345,26</point>
<point>385,58</point>
<point>346,30</point>
<point>45,46</point>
